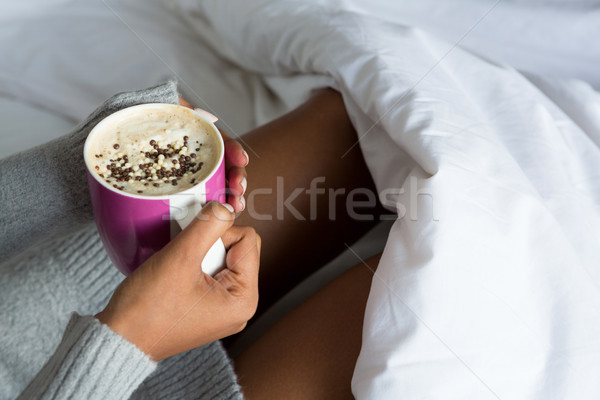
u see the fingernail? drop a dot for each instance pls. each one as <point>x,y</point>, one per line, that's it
<point>228,206</point>
<point>247,156</point>
<point>244,184</point>
<point>243,201</point>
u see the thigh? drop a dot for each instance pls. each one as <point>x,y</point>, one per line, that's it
<point>312,351</point>
<point>302,229</point>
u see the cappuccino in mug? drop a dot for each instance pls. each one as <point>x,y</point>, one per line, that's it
<point>154,152</point>
<point>150,168</point>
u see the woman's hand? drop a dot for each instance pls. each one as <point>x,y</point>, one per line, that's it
<point>168,305</point>
<point>236,160</point>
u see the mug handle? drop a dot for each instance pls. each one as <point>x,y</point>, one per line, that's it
<point>214,260</point>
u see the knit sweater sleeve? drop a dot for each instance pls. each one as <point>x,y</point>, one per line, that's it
<point>44,189</point>
<point>91,362</point>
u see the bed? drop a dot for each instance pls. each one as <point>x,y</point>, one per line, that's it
<point>479,121</point>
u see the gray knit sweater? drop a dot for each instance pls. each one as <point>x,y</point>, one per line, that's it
<point>53,269</point>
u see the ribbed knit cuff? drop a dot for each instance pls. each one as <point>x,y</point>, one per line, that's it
<point>202,373</point>
<point>91,362</point>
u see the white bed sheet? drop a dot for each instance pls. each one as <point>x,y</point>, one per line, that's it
<point>68,56</point>
<point>488,286</point>
<point>553,38</point>
<point>23,126</point>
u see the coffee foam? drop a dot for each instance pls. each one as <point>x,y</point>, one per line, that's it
<point>139,167</point>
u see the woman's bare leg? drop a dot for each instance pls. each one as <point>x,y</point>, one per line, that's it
<point>312,351</point>
<point>304,144</point>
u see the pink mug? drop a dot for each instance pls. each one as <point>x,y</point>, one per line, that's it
<point>133,227</point>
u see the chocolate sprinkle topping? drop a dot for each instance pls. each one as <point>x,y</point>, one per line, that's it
<point>158,169</point>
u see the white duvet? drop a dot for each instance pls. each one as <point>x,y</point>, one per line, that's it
<point>489,283</point>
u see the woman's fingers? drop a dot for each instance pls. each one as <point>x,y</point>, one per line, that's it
<point>243,257</point>
<point>209,225</point>
<point>243,252</point>
<point>236,159</point>
<point>238,184</point>
<point>234,152</point>
<point>185,103</point>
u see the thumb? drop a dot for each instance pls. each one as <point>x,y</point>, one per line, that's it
<point>209,225</point>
